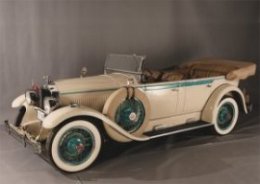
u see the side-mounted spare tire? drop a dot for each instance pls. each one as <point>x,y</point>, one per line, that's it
<point>130,109</point>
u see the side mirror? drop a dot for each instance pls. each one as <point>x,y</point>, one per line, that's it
<point>83,72</point>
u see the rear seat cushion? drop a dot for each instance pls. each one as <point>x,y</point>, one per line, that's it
<point>172,76</point>
<point>150,76</point>
<point>185,72</point>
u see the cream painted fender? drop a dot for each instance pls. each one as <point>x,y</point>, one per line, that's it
<point>19,101</point>
<point>60,115</point>
<point>209,112</point>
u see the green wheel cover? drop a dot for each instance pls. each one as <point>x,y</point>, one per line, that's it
<point>76,145</point>
<point>130,114</point>
<point>225,115</point>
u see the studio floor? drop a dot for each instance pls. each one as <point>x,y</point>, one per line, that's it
<point>196,157</point>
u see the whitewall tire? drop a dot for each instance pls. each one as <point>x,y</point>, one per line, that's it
<point>75,146</point>
<point>226,116</point>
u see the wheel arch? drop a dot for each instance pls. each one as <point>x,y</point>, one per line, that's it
<point>69,113</point>
<point>210,109</point>
<point>94,120</point>
<point>240,99</point>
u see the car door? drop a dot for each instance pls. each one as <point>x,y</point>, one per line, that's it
<point>197,91</point>
<point>165,99</point>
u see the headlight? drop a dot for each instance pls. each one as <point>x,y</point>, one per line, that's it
<point>50,103</point>
<point>31,97</point>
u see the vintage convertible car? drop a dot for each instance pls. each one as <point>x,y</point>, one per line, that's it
<point>71,118</point>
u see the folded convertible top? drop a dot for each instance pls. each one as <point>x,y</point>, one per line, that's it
<point>233,70</point>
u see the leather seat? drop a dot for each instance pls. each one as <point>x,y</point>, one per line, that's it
<point>172,76</point>
<point>150,76</point>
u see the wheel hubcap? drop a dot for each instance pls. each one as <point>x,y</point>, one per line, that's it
<point>133,116</point>
<point>130,114</point>
<point>76,146</point>
<point>225,115</point>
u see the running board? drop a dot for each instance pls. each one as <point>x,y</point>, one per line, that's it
<point>178,129</point>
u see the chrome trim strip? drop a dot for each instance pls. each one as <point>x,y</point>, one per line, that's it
<point>180,131</point>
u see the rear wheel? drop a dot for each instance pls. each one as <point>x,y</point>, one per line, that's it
<point>75,146</point>
<point>226,117</point>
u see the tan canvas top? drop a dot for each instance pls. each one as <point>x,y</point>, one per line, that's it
<point>233,70</point>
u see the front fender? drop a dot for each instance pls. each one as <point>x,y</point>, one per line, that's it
<point>60,115</point>
<point>210,110</point>
<point>19,101</point>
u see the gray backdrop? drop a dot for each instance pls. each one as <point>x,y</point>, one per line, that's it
<point>58,37</point>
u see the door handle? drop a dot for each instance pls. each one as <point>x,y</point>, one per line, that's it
<point>175,89</point>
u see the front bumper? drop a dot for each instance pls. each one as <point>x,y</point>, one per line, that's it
<point>23,137</point>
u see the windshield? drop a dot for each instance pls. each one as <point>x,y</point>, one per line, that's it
<point>124,64</point>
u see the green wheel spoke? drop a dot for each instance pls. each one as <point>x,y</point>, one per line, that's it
<point>130,114</point>
<point>225,115</point>
<point>75,146</point>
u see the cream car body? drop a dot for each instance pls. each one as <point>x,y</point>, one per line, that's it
<point>161,105</point>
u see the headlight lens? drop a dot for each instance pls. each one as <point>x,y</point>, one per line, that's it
<point>50,103</point>
<point>31,97</point>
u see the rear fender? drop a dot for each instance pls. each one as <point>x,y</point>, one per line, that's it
<point>210,110</point>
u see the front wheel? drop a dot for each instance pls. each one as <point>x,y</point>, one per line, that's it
<point>226,116</point>
<point>75,146</point>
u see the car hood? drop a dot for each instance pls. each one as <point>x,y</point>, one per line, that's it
<point>91,84</point>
